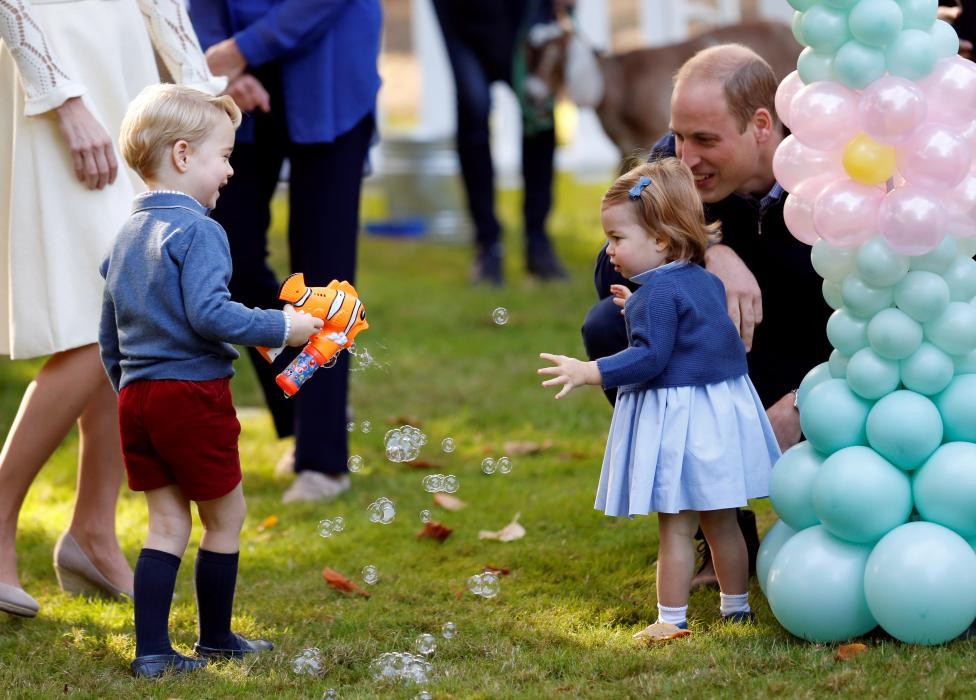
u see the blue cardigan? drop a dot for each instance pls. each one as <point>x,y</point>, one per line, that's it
<point>326,49</point>
<point>680,333</point>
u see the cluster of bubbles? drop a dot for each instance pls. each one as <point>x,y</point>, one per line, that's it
<point>381,511</point>
<point>447,444</point>
<point>332,526</point>
<point>441,483</point>
<point>354,463</point>
<point>502,465</point>
<point>330,694</point>
<point>500,316</point>
<point>363,359</point>
<point>370,574</point>
<point>425,516</point>
<point>410,669</point>
<point>403,444</point>
<point>485,584</point>
<point>308,662</point>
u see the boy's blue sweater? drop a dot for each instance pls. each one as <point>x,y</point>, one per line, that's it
<point>680,333</point>
<point>166,312</point>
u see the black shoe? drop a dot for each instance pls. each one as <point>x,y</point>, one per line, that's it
<point>244,647</point>
<point>544,265</point>
<point>747,523</point>
<point>739,618</point>
<point>155,665</point>
<point>487,268</point>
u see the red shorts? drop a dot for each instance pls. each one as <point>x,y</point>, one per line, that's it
<point>181,432</point>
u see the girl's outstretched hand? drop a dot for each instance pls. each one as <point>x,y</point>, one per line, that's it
<point>569,372</point>
<point>621,293</point>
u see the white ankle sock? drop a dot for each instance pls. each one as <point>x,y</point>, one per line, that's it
<point>673,616</point>
<point>733,603</point>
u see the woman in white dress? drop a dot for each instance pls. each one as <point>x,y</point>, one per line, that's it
<point>68,69</point>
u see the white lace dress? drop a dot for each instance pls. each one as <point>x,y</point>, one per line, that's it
<point>53,230</point>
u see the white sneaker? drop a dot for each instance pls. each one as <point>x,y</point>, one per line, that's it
<point>315,486</point>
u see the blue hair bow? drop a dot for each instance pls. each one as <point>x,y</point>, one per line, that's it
<point>635,191</point>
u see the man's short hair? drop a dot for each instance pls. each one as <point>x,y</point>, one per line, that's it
<point>161,115</point>
<point>747,80</point>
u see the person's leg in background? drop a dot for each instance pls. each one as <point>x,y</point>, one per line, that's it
<point>538,150</point>
<point>326,180</point>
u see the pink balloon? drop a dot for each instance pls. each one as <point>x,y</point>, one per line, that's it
<point>891,108</point>
<point>936,156</point>
<point>823,115</point>
<point>912,220</point>
<point>961,208</point>
<point>845,214</point>
<point>798,217</point>
<point>950,90</point>
<point>793,163</point>
<point>784,95</point>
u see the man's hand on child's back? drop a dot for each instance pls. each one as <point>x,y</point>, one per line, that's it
<point>303,326</point>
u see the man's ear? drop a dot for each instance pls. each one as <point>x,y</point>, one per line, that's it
<point>763,123</point>
<point>180,154</point>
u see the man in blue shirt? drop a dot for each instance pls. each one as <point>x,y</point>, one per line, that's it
<point>305,73</point>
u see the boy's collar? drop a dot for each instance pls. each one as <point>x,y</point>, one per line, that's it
<point>151,199</point>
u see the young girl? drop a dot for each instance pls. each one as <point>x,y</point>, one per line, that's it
<point>689,438</point>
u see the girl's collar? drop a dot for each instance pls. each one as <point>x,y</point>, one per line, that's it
<point>642,277</point>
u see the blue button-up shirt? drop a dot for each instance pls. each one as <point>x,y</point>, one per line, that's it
<point>327,50</point>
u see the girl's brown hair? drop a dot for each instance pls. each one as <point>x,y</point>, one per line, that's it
<point>669,207</point>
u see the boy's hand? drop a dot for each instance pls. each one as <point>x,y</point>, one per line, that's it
<point>569,372</point>
<point>302,326</point>
<point>621,294</point>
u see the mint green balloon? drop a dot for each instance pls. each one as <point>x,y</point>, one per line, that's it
<point>857,65</point>
<point>846,332</point>
<point>879,265</point>
<point>918,14</point>
<point>815,587</point>
<point>937,260</point>
<point>871,375</point>
<point>961,278</point>
<point>965,364</point>
<point>859,496</point>
<point>825,29</point>
<point>797,26</point>
<point>958,409</point>
<point>832,294</point>
<point>920,583</point>
<point>922,295</point>
<point>814,67</point>
<point>802,5</point>
<point>840,4</point>
<point>894,334</point>
<point>815,376</point>
<point>911,55</point>
<point>772,542</point>
<point>945,38</point>
<point>905,428</point>
<point>876,22</point>
<point>834,417</point>
<point>837,362</point>
<point>955,330</point>
<point>831,262</point>
<point>863,300</point>
<point>927,371</point>
<point>791,485</point>
<point>944,488</point>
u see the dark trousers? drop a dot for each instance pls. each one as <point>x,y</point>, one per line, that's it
<point>480,44</point>
<point>323,222</point>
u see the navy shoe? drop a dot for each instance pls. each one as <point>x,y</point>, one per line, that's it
<point>739,617</point>
<point>681,625</point>
<point>155,665</point>
<point>244,647</point>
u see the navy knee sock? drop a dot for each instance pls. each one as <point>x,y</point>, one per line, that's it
<point>155,580</point>
<point>216,578</point>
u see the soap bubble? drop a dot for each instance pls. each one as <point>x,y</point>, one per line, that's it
<point>308,662</point>
<point>366,426</point>
<point>426,644</point>
<point>500,316</point>
<point>354,463</point>
<point>423,695</point>
<point>405,667</point>
<point>331,362</point>
<point>485,585</point>
<point>403,444</point>
<point>381,511</point>
<point>488,465</point>
<point>350,427</point>
<point>432,483</point>
<point>504,465</point>
<point>330,694</point>
<point>447,444</point>
<point>450,483</point>
<point>326,528</point>
<point>338,524</point>
<point>425,516</point>
<point>370,574</point>
<point>449,630</point>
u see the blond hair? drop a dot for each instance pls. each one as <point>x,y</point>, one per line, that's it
<point>747,80</point>
<point>669,207</point>
<point>161,115</point>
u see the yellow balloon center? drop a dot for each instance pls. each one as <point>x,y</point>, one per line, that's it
<point>867,161</point>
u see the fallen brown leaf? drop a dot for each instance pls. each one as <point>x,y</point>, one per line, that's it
<point>660,632</point>
<point>574,455</point>
<point>403,420</point>
<point>449,502</point>
<point>512,531</point>
<point>435,531</point>
<point>849,651</point>
<point>497,570</point>
<point>268,522</point>
<point>341,583</point>
<point>421,464</point>
<point>526,447</point>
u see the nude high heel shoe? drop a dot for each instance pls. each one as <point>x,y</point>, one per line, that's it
<point>16,601</point>
<point>77,574</point>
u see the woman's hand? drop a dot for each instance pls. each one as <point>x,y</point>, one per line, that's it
<point>248,93</point>
<point>224,58</point>
<point>621,293</point>
<point>92,153</point>
<point>569,372</point>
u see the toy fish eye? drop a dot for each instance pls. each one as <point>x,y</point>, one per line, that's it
<point>362,314</point>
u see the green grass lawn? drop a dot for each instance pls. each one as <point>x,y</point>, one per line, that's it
<point>580,584</point>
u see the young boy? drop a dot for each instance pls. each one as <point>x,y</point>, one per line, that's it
<point>167,321</point>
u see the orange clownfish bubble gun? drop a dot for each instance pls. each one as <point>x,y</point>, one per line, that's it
<point>343,314</point>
